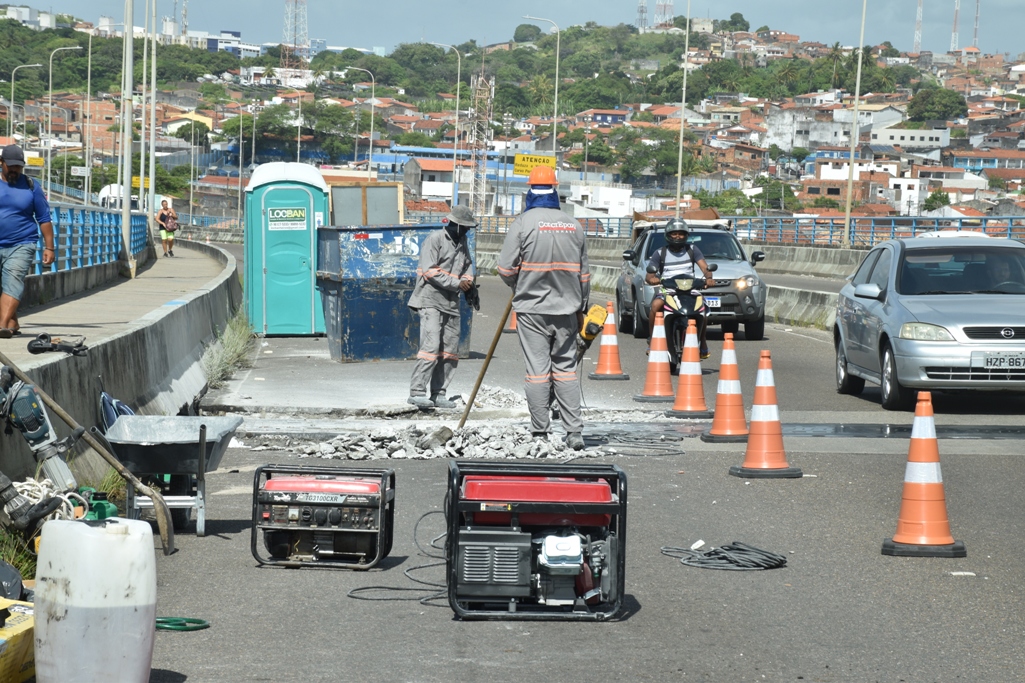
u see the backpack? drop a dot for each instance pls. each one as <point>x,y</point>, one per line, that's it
<point>662,258</point>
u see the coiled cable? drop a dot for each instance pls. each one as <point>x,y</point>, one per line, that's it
<point>737,556</point>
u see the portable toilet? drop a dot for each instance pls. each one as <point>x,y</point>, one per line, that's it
<point>285,204</point>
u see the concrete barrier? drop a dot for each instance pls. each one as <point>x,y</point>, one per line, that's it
<point>154,364</point>
<point>800,307</point>
<point>825,262</point>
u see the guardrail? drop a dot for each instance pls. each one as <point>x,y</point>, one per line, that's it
<point>867,232</point>
<point>597,227</point>
<point>85,236</point>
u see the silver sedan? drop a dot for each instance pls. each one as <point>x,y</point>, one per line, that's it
<point>939,313</point>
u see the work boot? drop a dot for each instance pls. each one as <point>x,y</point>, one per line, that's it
<point>575,441</point>
<point>440,401</point>
<point>420,401</point>
<point>539,436</point>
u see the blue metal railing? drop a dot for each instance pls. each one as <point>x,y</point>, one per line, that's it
<point>866,232</point>
<point>84,236</point>
<point>598,227</point>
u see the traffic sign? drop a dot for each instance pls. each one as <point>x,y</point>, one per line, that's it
<point>81,171</point>
<point>525,163</point>
<point>35,161</point>
<point>135,182</point>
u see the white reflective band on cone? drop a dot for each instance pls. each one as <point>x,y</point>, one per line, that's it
<point>923,473</point>
<point>923,428</point>
<point>690,368</point>
<point>729,357</point>
<point>659,332</point>
<point>611,320</point>
<point>760,413</point>
<point>690,341</point>
<point>658,357</point>
<point>729,386</point>
<point>609,340</point>
<point>764,379</point>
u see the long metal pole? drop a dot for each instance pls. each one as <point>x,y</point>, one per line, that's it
<point>10,124</point>
<point>487,362</point>
<point>683,113</point>
<point>151,219</point>
<point>555,120</point>
<point>299,126</point>
<point>49,118</point>
<point>192,170</point>
<point>373,96</point>
<point>127,116</point>
<point>855,131</point>
<point>86,121</point>
<point>144,91</point>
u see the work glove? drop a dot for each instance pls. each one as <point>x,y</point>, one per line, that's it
<point>473,297</point>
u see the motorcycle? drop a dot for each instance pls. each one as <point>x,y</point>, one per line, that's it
<point>680,306</point>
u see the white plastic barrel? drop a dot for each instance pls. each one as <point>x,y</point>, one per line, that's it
<point>96,597</point>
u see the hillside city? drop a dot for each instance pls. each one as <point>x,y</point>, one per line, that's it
<point>767,120</point>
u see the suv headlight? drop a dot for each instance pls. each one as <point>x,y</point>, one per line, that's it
<point>924,332</point>
<point>746,282</point>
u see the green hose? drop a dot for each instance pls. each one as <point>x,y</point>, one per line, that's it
<point>181,624</point>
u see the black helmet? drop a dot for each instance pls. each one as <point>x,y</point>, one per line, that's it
<point>674,227</point>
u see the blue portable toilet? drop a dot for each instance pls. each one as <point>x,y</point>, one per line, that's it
<point>285,204</point>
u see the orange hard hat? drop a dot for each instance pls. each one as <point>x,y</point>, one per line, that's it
<point>542,175</point>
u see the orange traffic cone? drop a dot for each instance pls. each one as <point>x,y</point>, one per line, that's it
<point>690,394</point>
<point>512,324</point>
<point>658,386</point>
<point>765,457</point>
<point>608,353</point>
<point>729,424</point>
<point>922,526</point>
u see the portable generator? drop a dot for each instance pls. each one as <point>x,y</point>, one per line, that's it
<point>314,516</point>
<point>535,541</point>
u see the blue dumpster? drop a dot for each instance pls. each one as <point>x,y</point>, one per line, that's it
<point>366,275</point>
<point>285,203</point>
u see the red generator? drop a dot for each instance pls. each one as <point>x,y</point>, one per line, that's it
<point>312,516</point>
<point>535,541</point>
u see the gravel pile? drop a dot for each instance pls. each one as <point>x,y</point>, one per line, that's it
<point>425,442</point>
<point>497,397</point>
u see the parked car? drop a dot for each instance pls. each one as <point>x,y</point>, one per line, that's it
<point>940,313</point>
<point>737,295</point>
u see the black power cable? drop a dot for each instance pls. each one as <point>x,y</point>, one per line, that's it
<point>737,556</point>
<point>358,593</point>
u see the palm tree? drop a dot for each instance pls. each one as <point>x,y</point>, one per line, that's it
<point>541,90</point>
<point>835,54</point>
<point>788,73</point>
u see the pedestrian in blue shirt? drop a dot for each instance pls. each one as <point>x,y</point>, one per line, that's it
<point>24,214</point>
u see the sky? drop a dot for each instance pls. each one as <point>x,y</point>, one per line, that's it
<point>387,23</point>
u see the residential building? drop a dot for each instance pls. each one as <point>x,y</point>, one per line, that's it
<point>907,138</point>
<point>977,160</point>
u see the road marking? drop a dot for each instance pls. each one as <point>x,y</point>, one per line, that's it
<point>790,331</point>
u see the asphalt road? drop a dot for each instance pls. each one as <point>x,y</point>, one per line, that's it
<point>839,611</point>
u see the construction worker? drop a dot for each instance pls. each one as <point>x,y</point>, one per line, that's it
<point>445,270</point>
<point>544,260</point>
<point>677,259</point>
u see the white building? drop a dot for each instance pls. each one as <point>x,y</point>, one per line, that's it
<point>909,139</point>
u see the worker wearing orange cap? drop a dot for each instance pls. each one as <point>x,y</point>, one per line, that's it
<point>544,260</point>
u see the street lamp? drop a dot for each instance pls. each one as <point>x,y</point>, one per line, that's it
<point>683,112</point>
<point>10,124</point>
<point>455,143</point>
<point>49,123</point>
<point>555,121</point>
<point>855,131</point>
<point>373,96</point>
<point>67,126</point>
<point>587,135</point>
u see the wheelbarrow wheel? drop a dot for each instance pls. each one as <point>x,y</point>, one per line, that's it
<point>180,485</point>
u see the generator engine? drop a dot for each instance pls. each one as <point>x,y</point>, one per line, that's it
<point>311,516</point>
<point>536,541</point>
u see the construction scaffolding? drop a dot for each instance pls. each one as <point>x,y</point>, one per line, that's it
<point>483,97</point>
<point>295,43</point>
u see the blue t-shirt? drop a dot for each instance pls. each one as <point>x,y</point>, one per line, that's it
<point>21,211</point>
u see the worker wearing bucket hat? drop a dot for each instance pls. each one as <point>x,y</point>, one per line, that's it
<point>445,270</point>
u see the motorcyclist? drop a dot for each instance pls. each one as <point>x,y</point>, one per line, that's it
<point>677,258</point>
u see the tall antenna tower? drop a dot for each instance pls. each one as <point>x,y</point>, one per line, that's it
<point>480,133</point>
<point>918,29</point>
<point>664,13</point>
<point>185,17</point>
<point>295,43</point>
<point>642,14</point>
<point>953,34</point>
<point>975,38</point>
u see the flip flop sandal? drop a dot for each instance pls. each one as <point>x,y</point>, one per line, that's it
<point>6,333</point>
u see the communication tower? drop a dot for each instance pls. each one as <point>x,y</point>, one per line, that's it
<point>975,38</point>
<point>185,17</point>
<point>642,15</point>
<point>664,13</point>
<point>953,34</point>
<point>295,43</point>
<point>918,29</point>
<point>480,133</point>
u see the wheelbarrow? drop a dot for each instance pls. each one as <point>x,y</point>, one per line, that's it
<point>182,449</point>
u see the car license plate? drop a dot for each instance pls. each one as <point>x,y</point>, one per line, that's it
<point>712,301</point>
<point>997,360</point>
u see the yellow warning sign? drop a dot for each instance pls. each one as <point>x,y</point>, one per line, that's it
<point>135,182</point>
<point>525,163</point>
<point>35,161</point>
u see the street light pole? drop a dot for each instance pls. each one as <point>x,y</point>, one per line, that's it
<point>127,117</point>
<point>49,126</point>
<point>455,139</point>
<point>152,194</point>
<point>555,120</point>
<point>67,126</point>
<point>10,124</point>
<point>373,96</point>
<point>683,113</point>
<point>855,131</point>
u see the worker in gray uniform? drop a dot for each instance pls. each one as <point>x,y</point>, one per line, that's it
<point>445,270</point>
<point>544,260</point>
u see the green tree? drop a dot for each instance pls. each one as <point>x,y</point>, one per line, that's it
<point>937,104</point>
<point>762,29</point>
<point>526,33</point>
<point>936,200</point>
<point>415,138</point>
<point>889,50</point>
<point>799,154</point>
<point>825,203</point>
<point>186,132</point>
<point>997,184</point>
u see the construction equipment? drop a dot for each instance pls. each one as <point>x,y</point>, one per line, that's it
<point>594,323</point>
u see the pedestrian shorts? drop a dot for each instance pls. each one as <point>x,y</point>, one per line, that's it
<point>14,264</point>
<point>166,235</point>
